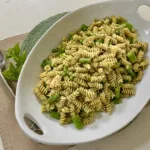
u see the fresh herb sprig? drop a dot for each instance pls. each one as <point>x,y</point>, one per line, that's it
<point>14,54</point>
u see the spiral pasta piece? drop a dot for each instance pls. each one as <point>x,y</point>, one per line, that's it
<point>56,82</point>
<point>70,84</point>
<point>112,78</point>
<point>97,79</point>
<point>88,120</point>
<point>140,56</point>
<point>95,85</point>
<point>128,91</point>
<point>41,88</point>
<point>119,78</point>
<point>87,93</point>
<point>41,96</point>
<point>81,82</point>
<point>109,107</point>
<point>73,95</point>
<point>127,77</point>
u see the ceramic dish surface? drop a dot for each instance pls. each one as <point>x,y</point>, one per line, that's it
<point>27,104</point>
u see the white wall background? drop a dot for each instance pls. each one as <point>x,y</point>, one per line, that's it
<point>20,16</point>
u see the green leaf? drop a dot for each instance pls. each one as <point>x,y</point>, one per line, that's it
<point>9,53</point>
<point>19,69</point>
<point>16,56</point>
<point>16,50</point>
<point>13,69</point>
<point>11,73</point>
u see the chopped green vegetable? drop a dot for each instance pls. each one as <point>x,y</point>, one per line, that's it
<point>117,65</point>
<point>126,81</point>
<point>62,54</point>
<point>85,60</point>
<point>99,41</point>
<point>71,78</point>
<point>130,71</point>
<point>84,27</point>
<point>13,71</point>
<point>55,50</point>
<point>58,51</point>
<point>46,62</point>
<point>55,115</point>
<point>117,100</point>
<point>77,122</point>
<point>65,71</point>
<point>117,31</point>
<point>15,54</point>
<point>117,92</point>
<point>128,25</point>
<point>81,41</point>
<point>131,40</point>
<point>53,98</point>
<point>131,56</point>
<point>70,36</point>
